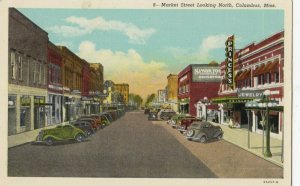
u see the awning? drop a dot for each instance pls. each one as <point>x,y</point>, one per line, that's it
<point>259,70</point>
<point>231,100</point>
<point>243,75</point>
<point>273,67</point>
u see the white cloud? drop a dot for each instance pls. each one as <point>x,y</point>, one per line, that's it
<point>82,26</point>
<point>213,42</point>
<point>127,67</point>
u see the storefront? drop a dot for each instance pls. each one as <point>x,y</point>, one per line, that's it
<point>54,109</point>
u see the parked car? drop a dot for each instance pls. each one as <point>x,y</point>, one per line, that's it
<point>96,118</point>
<point>60,133</point>
<point>92,121</point>
<point>153,116</point>
<point>186,122</point>
<point>105,117</point>
<point>176,120</point>
<point>166,114</point>
<point>146,111</point>
<point>202,131</point>
<point>85,126</point>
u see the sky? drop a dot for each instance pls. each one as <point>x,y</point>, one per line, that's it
<point>141,47</point>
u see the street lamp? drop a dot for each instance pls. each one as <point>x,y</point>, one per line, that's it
<point>267,103</point>
<point>206,102</point>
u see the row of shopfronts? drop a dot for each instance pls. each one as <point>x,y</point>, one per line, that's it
<point>30,112</point>
<point>204,91</point>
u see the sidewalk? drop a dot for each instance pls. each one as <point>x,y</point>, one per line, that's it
<point>239,137</point>
<point>27,137</point>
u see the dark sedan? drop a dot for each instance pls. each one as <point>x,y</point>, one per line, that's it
<point>153,116</point>
<point>202,131</point>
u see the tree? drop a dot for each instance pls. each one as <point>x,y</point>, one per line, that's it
<point>150,99</point>
<point>135,99</point>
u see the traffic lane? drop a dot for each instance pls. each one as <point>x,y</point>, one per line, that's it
<point>130,147</point>
<point>227,160</point>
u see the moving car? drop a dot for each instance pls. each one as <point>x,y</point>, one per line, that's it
<point>202,131</point>
<point>60,133</point>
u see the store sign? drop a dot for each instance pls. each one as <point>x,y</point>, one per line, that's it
<point>75,92</point>
<point>250,94</point>
<point>230,60</point>
<point>39,99</point>
<point>206,74</point>
<point>25,100</point>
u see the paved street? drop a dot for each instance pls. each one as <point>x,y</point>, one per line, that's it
<point>135,147</point>
<point>130,147</point>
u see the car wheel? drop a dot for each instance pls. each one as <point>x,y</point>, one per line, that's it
<point>49,141</point>
<point>89,132</point>
<point>190,133</point>
<point>203,139</point>
<point>220,136</point>
<point>79,137</point>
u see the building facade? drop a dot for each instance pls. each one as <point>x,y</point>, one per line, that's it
<point>27,74</point>
<point>197,83</point>
<point>123,89</point>
<point>72,79</point>
<point>258,67</point>
<point>172,91</point>
<point>55,89</point>
<point>96,86</point>
<point>161,96</point>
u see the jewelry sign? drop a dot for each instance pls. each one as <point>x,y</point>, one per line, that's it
<point>229,61</point>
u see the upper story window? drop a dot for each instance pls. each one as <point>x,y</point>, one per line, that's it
<point>276,77</point>
<point>13,65</point>
<point>20,67</point>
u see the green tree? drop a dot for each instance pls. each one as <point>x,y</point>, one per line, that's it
<point>135,99</point>
<point>150,99</point>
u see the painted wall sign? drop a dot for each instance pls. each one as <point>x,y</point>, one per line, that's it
<point>230,60</point>
<point>206,74</point>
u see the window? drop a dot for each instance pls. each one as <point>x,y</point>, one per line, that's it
<point>187,88</point>
<point>276,77</point>
<point>261,79</point>
<point>13,65</point>
<point>35,73</point>
<point>268,78</point>
<point>20,67</point>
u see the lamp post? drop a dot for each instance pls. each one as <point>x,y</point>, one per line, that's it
<point>205,101</point>
<point>267,103</point>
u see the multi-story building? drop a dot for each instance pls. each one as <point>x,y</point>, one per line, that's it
<point>96,86</point>
<point>197,84</point>
<point>172,91</point>
<point>110,88</point>
<point>258,67</point>
<point>55,91</point>
<point>72,79</point>
<point>161,96</point>
<point>27,69</point>
<point>123,89</point>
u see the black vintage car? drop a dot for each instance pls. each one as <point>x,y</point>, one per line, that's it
<point>85,126</point>
<point>146,111</point>
<point>167,114</point>
<point>153,116</point>
<point>202,131</point>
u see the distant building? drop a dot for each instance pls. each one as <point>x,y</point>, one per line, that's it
<point>123,89</point>
<point>172,91</point>
<point>161,96</point>
<point>27,74</point>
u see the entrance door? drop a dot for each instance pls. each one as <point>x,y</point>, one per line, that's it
<point>39,117</point>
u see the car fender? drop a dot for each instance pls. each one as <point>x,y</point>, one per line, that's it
<point>52,136</point>
<point>79,132</point>
<point>217,133</point>
<point>198,136</point>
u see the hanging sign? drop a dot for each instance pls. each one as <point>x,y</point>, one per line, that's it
<point>230,61</point>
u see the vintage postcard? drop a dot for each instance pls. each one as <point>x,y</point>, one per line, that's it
<point>170,92</point>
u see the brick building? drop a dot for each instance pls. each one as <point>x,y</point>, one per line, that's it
<point>196,82</point>
<point>123,89</point>
<point>55,90</point>
<point>27,74</point>
<point>258,67</point>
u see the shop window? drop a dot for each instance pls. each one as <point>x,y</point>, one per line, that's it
<point>13,67</point>
<point>273,121</point>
